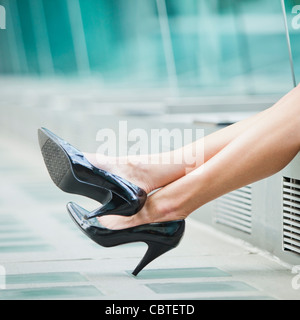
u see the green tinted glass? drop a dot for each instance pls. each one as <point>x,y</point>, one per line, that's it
<point>194,46</point>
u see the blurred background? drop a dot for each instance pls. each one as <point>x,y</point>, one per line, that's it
<point>143,57</point>
<point>193,47</point>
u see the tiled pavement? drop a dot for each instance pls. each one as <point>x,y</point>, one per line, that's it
<point>45,256</point>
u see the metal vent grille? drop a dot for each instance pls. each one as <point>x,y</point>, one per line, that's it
<point>291,215</point>
<point>235,209</point>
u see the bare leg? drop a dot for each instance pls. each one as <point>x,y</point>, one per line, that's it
<point>262,150</point>
<point>154,171</point>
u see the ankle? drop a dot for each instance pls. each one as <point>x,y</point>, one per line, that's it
<point>141,171</point>
<point>159,210</point>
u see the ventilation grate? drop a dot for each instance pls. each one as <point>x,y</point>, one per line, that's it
<point>291,215</point>
<point>235,209</point>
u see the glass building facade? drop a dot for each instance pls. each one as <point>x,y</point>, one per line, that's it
<point>200,47</point>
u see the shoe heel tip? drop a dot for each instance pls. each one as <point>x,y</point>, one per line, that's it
<point>137,271</point>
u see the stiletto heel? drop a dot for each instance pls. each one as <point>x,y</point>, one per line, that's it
<point>154,251</point>
<point>73,173</point>
<point>160,237</point>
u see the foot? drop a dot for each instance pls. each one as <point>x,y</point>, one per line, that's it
<point>158,207</point>
<point>134,172</point>
<point>119,222</point>
<point>145,216</point>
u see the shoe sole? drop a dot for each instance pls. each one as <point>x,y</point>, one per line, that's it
<point>60,170</point>
<point>57,162</point>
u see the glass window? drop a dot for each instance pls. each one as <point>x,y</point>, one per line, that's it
<point>292,9</point>
<point>230,46</point>
<point>60,36</point>
<point>194,47</point>
<point>124,41</point>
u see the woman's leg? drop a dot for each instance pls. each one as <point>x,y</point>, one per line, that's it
<point>262,150</point>
<point>154,171</point>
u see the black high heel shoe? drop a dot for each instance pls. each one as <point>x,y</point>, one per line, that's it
<point>160,237</point>
<point>73,173</point>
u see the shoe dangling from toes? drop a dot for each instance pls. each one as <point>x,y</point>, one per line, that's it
<point>73,173</point>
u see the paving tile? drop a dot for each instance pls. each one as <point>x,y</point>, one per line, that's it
<point>181,273</point>
<point>191,287</point>
<point>17,238</point>
<point>14,232</point>
<point>7,220</point>
<point>35,278</point>
<point>9,229</point>
<point>25,248</point>
<point>12,168</point>
<point>72,292</point>
<point>247,298</point>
